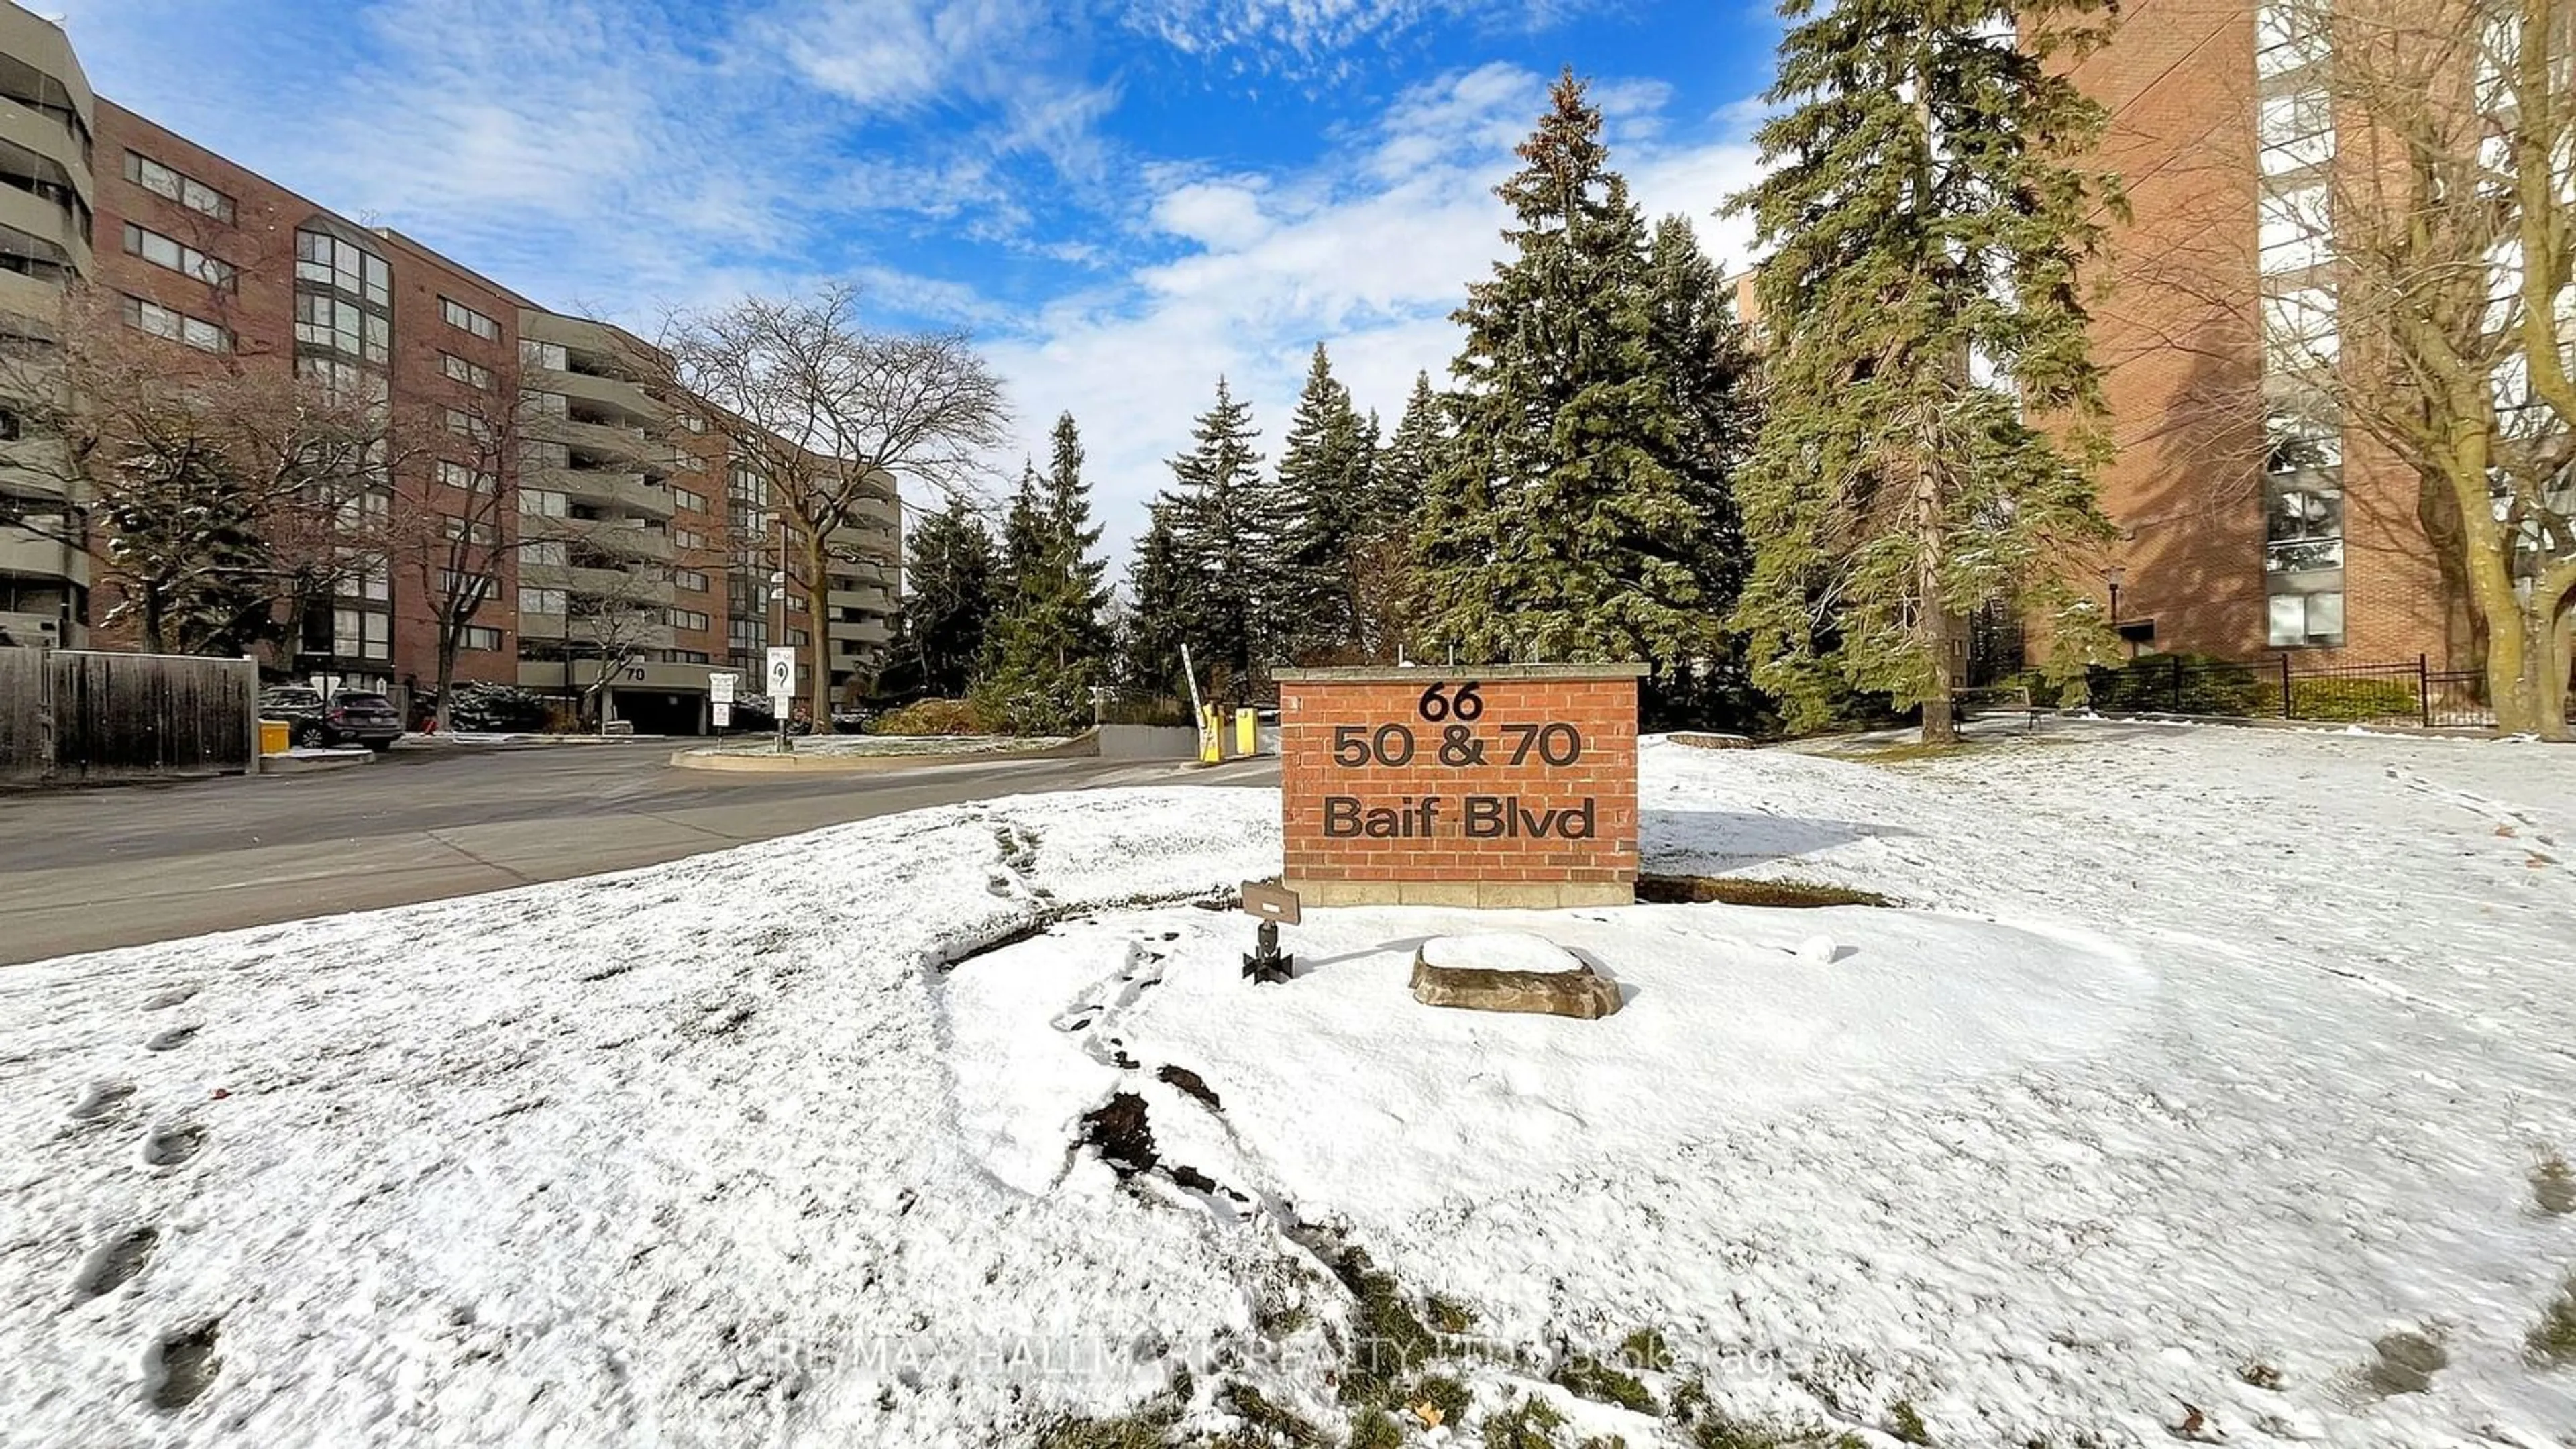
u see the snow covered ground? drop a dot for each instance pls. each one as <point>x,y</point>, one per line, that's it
<point>2197,1056</point>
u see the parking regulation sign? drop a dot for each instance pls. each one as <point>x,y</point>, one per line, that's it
<point>720,688</point>
<point>782,679</point>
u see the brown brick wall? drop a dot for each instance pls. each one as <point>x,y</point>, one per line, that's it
<point>2178,332</point>
<point>1319,714</point>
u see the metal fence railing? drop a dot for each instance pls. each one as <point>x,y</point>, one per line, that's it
<point>2411,692</point>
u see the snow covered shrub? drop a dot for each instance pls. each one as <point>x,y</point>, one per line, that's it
<point>2553,1342</point>
<point>934,717</point>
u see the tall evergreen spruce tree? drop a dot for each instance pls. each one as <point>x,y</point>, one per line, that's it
<point>1700,349</point>
<point>1924,207</point>
<point>1559,525</point>
<point>1161,596</point>
<point>1048,647</point>
<point>1324,467</point>
<point>1405,464</point>
<point>1223,529</point>
<point>949,603</point>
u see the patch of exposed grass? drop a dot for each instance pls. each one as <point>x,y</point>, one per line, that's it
<point>1905,1424</point>
<point>1735,891</point>
<point>1270,1423</point>
<point>2260,1374</point>
<point>1446,1394</point>
<point>1390,1342</point>
<point>1722,1432</point>
<point>1376,1429</point>
<point>1708,1428</point>
<point>2553,1340</point>
<point>1647,1349</point>
<point>1605,1383</point>
<point>1449,1316</point>
<point>1907,754</point>
<point>2553,1185</point>
<point>1148,1428</point>
<point>1528,1424</point>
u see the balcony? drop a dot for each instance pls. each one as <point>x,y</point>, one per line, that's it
<point>858,631</point>
<point>23,551</point>
<point>614,394</point>
<point>548,674</point>
<point>50,221</point>
<point>608,440</point>
<point>606,488</point>
<point>641,631</point>
<point>623,537</point>
<point>598,583</point>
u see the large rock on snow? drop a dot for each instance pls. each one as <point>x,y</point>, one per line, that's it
<point>1509,971</point>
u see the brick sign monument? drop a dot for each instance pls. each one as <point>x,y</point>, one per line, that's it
<point>1508,785</point>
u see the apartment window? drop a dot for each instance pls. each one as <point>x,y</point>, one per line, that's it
<point>690,579</point>
<point>694,502</point>
<point>457,475</point>
<point>472,374</point>
<point>2296,226</point>
<point>322,320</point>
<point>461,586</point>
<point>687,619</point>
<point>178,326</point>
<point>2298,329</point>
<point>688,538</point>
<point>2295,130</point>
<point>547,355</point>
<point>545,502</point>
<point>178,256</point>
<point>795,604</point>
<point>798,638</point>
<point>361,634</point>
<point>685,656</point>
<point>460,315</point>
<point>180,187</point>
<point>541,601</point>
<point>549,551</point>
<point>2288,34</point>
<point>693,422</point>
<point>2303,527</point>
<point>485,534</point>
<point>2307,620</point>
<point>333,262</point>
<point>479,639</point>
<point>544,404</point>
<point>342,379</point>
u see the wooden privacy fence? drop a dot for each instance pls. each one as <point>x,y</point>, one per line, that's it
<point>71,717</point>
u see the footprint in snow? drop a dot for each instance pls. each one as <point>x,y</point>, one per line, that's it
<point>181,1367</point>
<point>114,1264</point>
<point>164,1000</point>
<point>170,1146</point>
<point>100,1099</point>
<point>177,1036</point>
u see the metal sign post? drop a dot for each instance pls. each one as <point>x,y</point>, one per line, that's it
<point>782,688</point>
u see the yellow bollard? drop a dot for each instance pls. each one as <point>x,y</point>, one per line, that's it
<point>1211,738</point>
<point>274,737</point>
<point>1247,733</point>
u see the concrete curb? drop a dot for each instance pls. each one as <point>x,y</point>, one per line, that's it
<point>1082,746</point>
<point>312,764</point>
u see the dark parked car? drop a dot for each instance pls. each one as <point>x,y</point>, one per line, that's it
<point>348,717</point>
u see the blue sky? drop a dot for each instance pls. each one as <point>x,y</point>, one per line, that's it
<point>1118,202</point>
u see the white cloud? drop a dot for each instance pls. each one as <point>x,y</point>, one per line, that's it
<point>1368,252</point>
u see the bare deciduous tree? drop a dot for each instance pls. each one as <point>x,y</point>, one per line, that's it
<point>230,490</point>
<point>2451,238</point>
<point>829,413</point>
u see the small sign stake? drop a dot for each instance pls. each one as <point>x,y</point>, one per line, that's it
<point>1274,906</point>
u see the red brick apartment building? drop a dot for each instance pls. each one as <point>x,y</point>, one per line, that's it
<point>612,514</point>
<point>2249,524</point>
